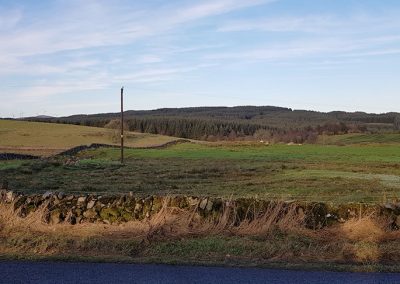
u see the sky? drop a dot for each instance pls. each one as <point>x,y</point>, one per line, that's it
<point>67,57</point>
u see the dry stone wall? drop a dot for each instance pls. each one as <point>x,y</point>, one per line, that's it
<point>73,209</point>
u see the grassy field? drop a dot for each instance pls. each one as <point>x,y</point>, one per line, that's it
<point>366,169</point>
<point>366,172</point>
<point>369,173</point>
<point>358,138</point>
<point>46,139</point>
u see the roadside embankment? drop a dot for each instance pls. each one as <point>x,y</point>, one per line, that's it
<point>199,230</point>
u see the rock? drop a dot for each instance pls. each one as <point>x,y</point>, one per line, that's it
<point>55,217</point>
<point>82,199</point>
<point>352,213</point>
<point>203,204</point>
<point>192,201</point>
<point>19,201</point>
<point>157,203</point>
<point>47,194</point>
<point>71,218</point>
<point>78,212</point>
<point>110,214</point>
<point>209,206</point>
<point>60,195</point>
<point>178,201</point>
<point>90,214</point>
<point>91,204</point>
<point>126,216</point>
<point>69,197</point>
<point>147,205</point>
<point>10,196</point>
<point>138,207</point>
<point>390,206</point>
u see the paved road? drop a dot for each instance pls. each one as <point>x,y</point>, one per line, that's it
<point>58,272</point>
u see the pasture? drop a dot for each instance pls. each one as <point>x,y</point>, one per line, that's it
<point>338,174</point>
<point>46,139</point>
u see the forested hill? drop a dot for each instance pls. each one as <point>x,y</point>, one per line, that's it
<point>242,122</point>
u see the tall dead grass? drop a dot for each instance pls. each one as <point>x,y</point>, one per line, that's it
<point>357,240</point>
<point>168,222</point>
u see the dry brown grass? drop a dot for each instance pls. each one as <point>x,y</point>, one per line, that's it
<point>367,240</point>
<point>364,229</point>
<point>169,222</point>
<point>277,215</point>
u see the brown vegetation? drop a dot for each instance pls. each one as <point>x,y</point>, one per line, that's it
<point>275,235</point>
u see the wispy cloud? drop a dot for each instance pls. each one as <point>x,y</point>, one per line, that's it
<point>282,24</point>
<point>158,74</point>
<point>94,24</point>
<point>87,25</point>
<point>9,18</point>
<point>326,36</point>
<point>289,50</point>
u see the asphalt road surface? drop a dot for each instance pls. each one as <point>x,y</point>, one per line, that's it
<point>59,272</point>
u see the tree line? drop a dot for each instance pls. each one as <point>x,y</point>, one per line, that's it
<point>243,123</point>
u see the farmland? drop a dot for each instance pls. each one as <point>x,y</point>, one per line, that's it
<point>46,139</point>
<point>344,169</point>
<point>363,172</point>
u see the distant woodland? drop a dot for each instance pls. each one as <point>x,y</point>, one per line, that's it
<point>268,123</point>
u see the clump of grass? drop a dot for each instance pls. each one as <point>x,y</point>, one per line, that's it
<point>364,229</point>
<point>366,252</point>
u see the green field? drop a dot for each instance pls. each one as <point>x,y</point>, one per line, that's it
<point>46,139</point>
<point>368,173</point>
<point>358,138</point>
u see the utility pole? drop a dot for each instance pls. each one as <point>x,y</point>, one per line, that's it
<point>122,125</point>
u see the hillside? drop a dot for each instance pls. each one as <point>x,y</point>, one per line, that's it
<point>50,138</point>
<point>244,122</point>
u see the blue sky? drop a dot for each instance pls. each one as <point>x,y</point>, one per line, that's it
<point>68,56</point>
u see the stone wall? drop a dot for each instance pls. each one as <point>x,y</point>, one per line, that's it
<point>14,156</point>
<point>73,209</point>
<point>75,150</point>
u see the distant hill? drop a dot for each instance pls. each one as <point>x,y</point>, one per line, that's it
<point>44,116</point>
<point>242,122</point>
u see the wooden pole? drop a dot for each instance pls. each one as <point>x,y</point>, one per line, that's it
<point>122,125</point>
